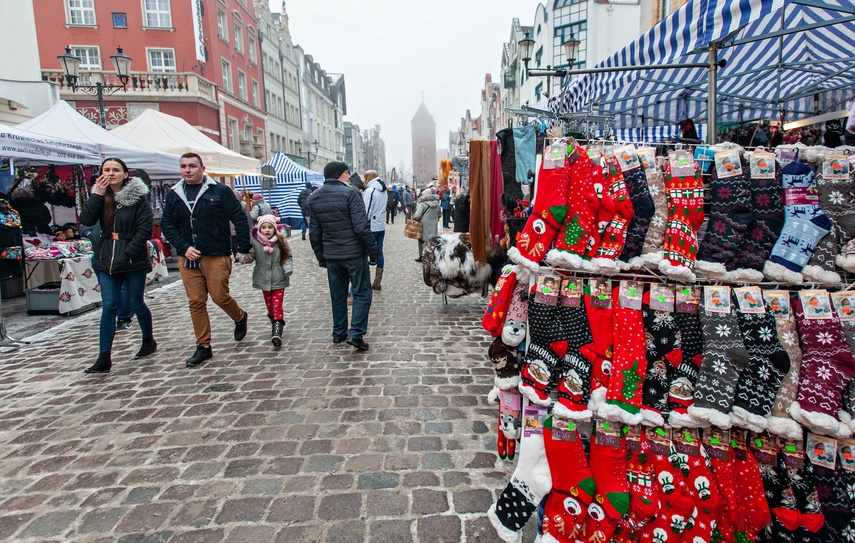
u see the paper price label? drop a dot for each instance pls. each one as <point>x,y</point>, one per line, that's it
<point>546,292</point>
<point>647,157</point>
<point>778,302</point>
<point>835,167</point>
<point>728,164</point>
<point>815,304</point>
<point>846,453</point>
<point>717,299</point>
<point>686,441</point>
<point>630,294</point>
<point>533,418</point>
<point>571,293</point>
<point>627,158</point>
<point>682,164</point>
<point>563,429</point>
<point>688,298</point>
<point>762,165</point>
<point>764,448</point>
<point>844,304</point>
<point>662,297</point>
<point>601,292</point>
<point>821,450</point>
<point>717,443</point>
<point>608,433</point>
<point>660,440</point>
<point>794,452</point>
<point>750,299</point>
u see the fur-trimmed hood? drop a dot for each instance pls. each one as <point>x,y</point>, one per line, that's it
<point>133,191</point>
<point>430,200</point>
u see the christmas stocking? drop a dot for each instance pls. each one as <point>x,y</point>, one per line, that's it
<point>573,487</point>
<point>494,316</point>
<point>835,200</point>
<point>706,495</point>
<point>768,363</point>
<point>614,237</point>
<point>804,225</point>
<point>782,502</point>
<point>685,216</point>
<point>643,209</point>
<point>578,228</point>
<point>643,502</point>
<point>803,482</point>
<point>546,347</point>
<point>651,251</point>
<point>751,497</point>
<point>756,247</point>
<point>548,214</point>
<point>606,209</point>
<point>846,202</point>
<point>600,352</point>
<point>662,338</point>
<point>827,367</point>
<point>506,363</point>
<point>574,387</point>
<point>727,482</point>
<point>723,361</point>
<point>611,501</point>
<point>530,482</point>
<point>675,504</point>
<point>731,214</point>
<point>780,421</point>
<point>682,379</point>
<point>516,317</point>
<point>629,366</point>
<point>834,498</point>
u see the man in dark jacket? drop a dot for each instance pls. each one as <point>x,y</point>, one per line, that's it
<point>196,216</point>
<point>341,238</point>
<point>392,204</point>
<point>303,202</point>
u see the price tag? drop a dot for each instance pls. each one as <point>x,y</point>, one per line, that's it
<point>717,443</point>
<point>844,305</point>
<point>686,441</point>
<point>571,293</point>
<point>660,440</point>
<point>546,292</point>
<point>647,157</point>
<point>846,452</point>
<point>738,438</point>
<point>554,156</point>
<point>633,438</point>
<point>717,299</point>
<point>608,433</point>
<point>630,294</point>
<point>835,167</point>
<point>688,298</point>
<point>794,452</point>
<point>601,292</point>
<point>682,164</point>
<point>563,429</point>
<point>662,297</point>
<point>728,164</point>
<point>778,302</point>
<point>627,158</point>
<point>815,304</point>
<point>762,165</point>
<point>764,447</point>
<point>750,299</point>
<point>821,450</point>
<point>533,418</point>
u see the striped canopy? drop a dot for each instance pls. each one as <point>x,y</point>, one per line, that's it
<point>786,60</point>
<point>291,178</point>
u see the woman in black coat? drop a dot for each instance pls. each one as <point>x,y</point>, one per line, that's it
<point>118,202</point>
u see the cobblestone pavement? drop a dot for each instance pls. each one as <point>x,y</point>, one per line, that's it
<point>311,442</point>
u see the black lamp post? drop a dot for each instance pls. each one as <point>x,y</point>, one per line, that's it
<point>308,151</point>
<point>571,50</point>
<point>71,65</point>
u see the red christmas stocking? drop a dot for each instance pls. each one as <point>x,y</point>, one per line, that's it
<point>612,499</point>
<point>600,351</point>
<point>614,236</point>
<point>605,210</point>
<point>675,504</point>
<point>580,226</point>
<point>685,216</point>
<point>629,366</point>
<point>706,495</point>
<point>494,316</point>
<point>751,496</point>
<point>643,501</point>
<point>727,481</point>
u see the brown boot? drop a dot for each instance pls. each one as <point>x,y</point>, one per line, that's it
<point>378,276</point>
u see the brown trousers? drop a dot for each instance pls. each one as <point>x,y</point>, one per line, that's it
<point>212,277</point>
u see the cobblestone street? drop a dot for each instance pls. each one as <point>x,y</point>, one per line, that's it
<point>310,442</point>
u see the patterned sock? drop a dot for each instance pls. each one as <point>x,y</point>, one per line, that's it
<point>643,503</point>
<point>723,361</point>
<point>803,483</point>
<point>516,316</point>
<point>629,366</point>
<point>662,338</point>
<point>605,210</point>
<point>804,225</point>
<point>614,237</point>
<point>600,351</point>
<point>753,507</point>
<point>726,479</point>
<point>497,307</point>
<point>827,367</point>
<point>575,235</point>
<point>730,215</point>
<point>682,379</point>
<point>782,502</point>
<point>756,247</point>
<point>845,215</point>
<point>651,251</point>
<point>707,498</point>
<point>675,504</point>
<point>643,210</point>
<point>612,499</point>
<point>542,362</point>
<point>506,363</point>
<point>834,499</point>
<point>833,203</point>
<point>768,363</point>
<point>574,386</point>
<point>780,422</point>
<point>685,216</point>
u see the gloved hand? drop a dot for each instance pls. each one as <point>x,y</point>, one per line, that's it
<point>372,262</point>
<point>322,263</point>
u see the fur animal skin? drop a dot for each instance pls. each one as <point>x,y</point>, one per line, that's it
<point>448,265</point>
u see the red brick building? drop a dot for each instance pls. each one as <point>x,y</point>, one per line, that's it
<point>196,59</point>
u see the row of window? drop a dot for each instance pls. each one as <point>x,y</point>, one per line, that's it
<point>228,83</point>
<point>159,60</point>
<point>156,14</point>
<point>237,32</point>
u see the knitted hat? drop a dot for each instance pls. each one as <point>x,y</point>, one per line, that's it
<point>266,219</point>
<point>334,169</point>
<point>257,196</point>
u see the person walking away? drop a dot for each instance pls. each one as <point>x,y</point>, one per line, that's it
<point>445,205</point>
<point>340,234</point>
<point>259,207</point>
<point>118,204</point>
<point>239,195</point>
<point>427,213</point>
<point>196,217</point>
<point>409,203</point>
<point>272,272</point>
<point>392,201</point>
<point>303,202</point>
<point>375,198</point>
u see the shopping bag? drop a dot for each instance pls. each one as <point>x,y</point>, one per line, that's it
<point>413,229</point>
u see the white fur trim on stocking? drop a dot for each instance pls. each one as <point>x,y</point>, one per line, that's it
<point>598,398</point>
<point>547,538</point>
<point>714,417</point>
<point>516,257</point>
<point>776,272</point>
<point>685,420</point>
<point>819,423</point>
<point>531,394</point>
<point>780,426</point>
<point>564,259</point>
<point>744,275</point>
<point>653,258</point>
<point>508,383</point>
<point>522,274</point>
<point>677,273</point>
<point>748,420</point>
<point>504,533</point>
<point>651,418</point>
<point>493,395</point>
<point>561,410</point>
<point>711,269</point>
<point>847,262</point>
<point>633,263</point>
<point>608,411</point>
<point>604,265</point>
<point>821,276</point>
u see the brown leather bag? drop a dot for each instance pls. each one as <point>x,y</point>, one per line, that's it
<point>413,229</point>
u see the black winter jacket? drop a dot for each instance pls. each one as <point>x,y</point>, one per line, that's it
<point>338,226</point>
<point>303,201</point>
<point>122,246</point>
<point>207,228</point>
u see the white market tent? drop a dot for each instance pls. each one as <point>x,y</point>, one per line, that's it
<point>20,144</point>
<point>63,122</point>
<point>172,134</point>
<point>785,60</point>
<point>291,178</point>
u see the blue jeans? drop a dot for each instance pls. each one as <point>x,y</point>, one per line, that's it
<point>111,288</point>
<point>124,312</point>
<point>340,274</point>
<point>446,217</point>
<point>379,237</point>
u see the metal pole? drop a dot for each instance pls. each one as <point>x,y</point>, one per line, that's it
<point>711,95</point>
<point>100,94</point>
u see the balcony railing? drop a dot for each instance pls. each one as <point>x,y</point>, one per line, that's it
<point>145,85</point>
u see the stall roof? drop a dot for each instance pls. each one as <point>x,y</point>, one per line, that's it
<point>63,122</point>
<point>20,144</point>
<point>785,58</point>
<point>175,135</point>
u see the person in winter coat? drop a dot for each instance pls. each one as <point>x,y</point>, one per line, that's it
<point>445,205</point>
<point>409,203</point>
<point>259,207</point>
<point>375,198</point>
<point>272,272</point>
<point>196,217</point>
<point>340,233</point>
<point>427,213</point>
<point>34,213</point>
<point>303,202</point>
<point>393,199</point>
<point>119,205</point>
<point>461,213</point>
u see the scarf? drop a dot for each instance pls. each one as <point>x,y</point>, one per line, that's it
<point>267,242</point>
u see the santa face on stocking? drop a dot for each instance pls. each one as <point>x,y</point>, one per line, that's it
<point>682,389</point>
<point>574,383</point>
<point>702,484</point>
<point>667,482</point>
<point>539,370</point>
<point>660,535</point>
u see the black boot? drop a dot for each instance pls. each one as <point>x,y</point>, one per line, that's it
<point>201,354</point>
<point>240,327</point>
<point>278,327</point>
<point>102,365</point>
<point>149,345</point>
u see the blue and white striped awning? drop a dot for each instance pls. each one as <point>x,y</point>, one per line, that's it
<point>652,134</point>
<point>291,179</point>
<point>785,58</point>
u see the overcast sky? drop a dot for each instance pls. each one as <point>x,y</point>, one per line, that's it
<point>391,51</point>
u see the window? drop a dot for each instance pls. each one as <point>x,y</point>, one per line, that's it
<point>251,47</point>
<point>242,84</point>
<point>227,75</point>
<point>161,60</point>
<point>538,90</point>
<point>157,13</point>
<point>537,56</point>
<point>89,57</point>
<point>580,32</point>
<point>81,12</point>
<point>255,93</point>
<point>234,145</point>
<point>238,36</point>
<point>222,25</point>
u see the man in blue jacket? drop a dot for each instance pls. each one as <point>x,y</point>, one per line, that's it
<point>341,238</point>
<point>196,216</point>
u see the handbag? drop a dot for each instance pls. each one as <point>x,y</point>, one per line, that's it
<point>413,229</point>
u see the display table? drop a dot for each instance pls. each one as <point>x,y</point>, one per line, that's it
<point>78,289</point>
<point>39,272</point>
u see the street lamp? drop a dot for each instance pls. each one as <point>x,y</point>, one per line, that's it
<point>308,151</point>
<point>571,50</point>
<point>71,65</point>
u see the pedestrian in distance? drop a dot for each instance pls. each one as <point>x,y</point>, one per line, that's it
<point>375,197</point>
<point>445,205</point>
<point>272,271</point>
<point>303,202</point>
<point>409,202</point>
<point>427,213</point>
<point>259,207</point>
<point>196,217</point>
<point>341,238</point>
<point>119,205</point>
<point>392,201</point>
